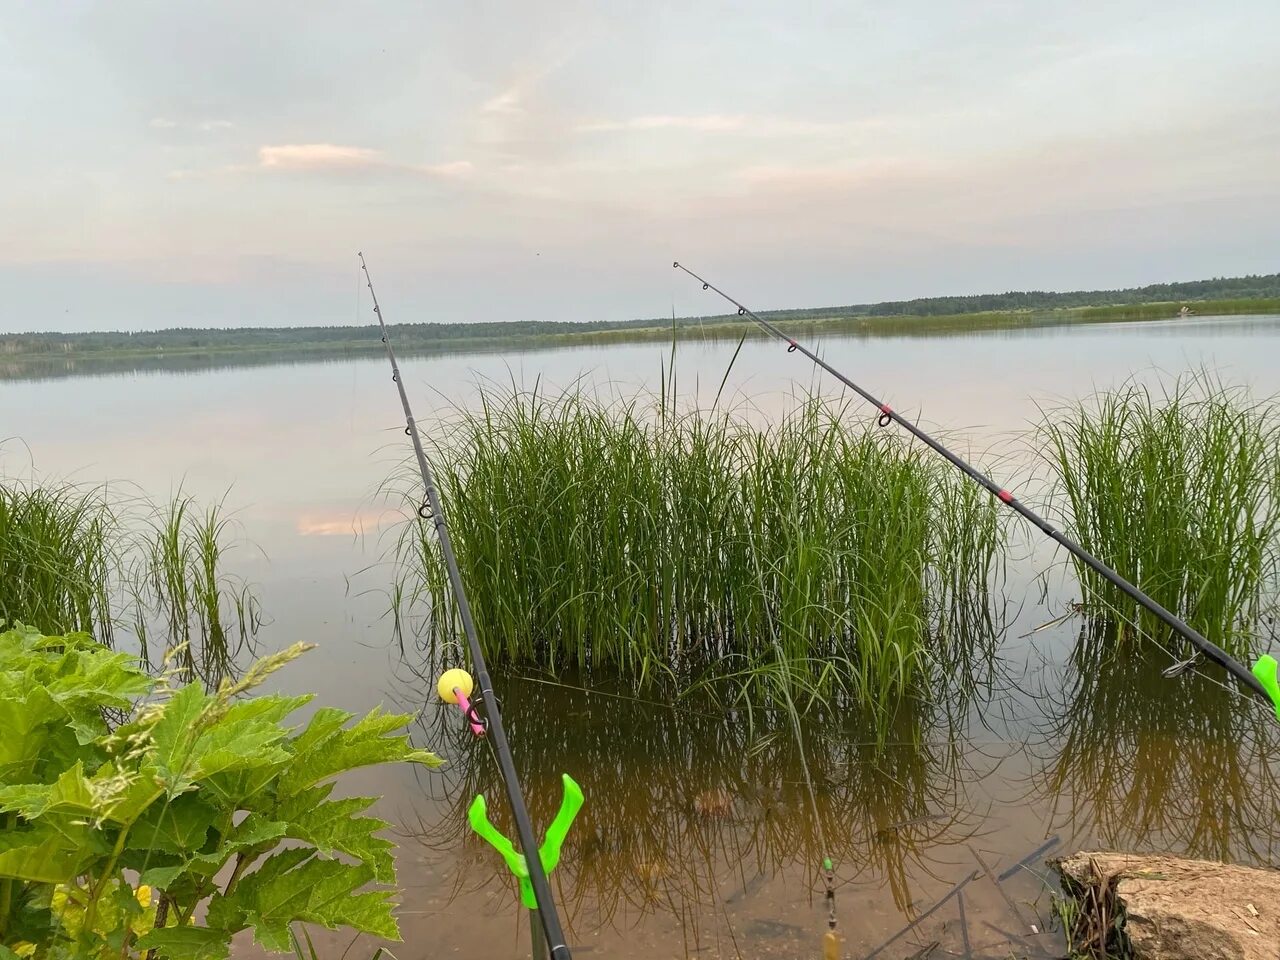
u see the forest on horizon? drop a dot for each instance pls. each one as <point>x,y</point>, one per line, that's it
<point>429,334</point>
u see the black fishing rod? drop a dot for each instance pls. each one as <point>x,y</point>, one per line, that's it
<point>887,415</point>
<point>433,510</point>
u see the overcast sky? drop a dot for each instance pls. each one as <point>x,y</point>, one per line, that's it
<point>220,163</point>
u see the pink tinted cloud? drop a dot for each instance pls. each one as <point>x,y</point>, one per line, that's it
<point>330,156</point>
<point>317,156</point>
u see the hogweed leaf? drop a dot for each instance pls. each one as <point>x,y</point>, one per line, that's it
<point>186,943</point>
<point>244,789</point>
<point>321,755</point>
<point>254,832</point>
<point>300,886</point>
<point>45,854</point>
<point>178,826</point>
<point>128,803</point>
<point>333,826</point>
<point>162,877</point>
<point>70,794</point>
<point>174,735</point>
<point>271,709</point>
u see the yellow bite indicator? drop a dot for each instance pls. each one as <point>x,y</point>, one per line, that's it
<point>450,679</point>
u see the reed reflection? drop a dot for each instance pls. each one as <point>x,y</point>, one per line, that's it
<point>688,810</point>
<point>1139,760</point>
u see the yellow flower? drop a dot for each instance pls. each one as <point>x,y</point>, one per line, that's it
<point>143,893</point>
<point>24,949</point>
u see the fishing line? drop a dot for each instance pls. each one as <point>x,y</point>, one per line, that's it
<point>888,415</point>
<point>432,509</point>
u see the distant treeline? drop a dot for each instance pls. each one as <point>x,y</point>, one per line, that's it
<point>265,338</point>
<point>431,336</point>
<point>1219,288</point>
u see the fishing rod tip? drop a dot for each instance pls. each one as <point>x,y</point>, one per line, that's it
<point>675,264</point>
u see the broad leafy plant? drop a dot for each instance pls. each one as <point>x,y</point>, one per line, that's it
<point>144,819</point>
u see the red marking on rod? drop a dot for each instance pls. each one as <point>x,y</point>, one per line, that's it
<point>885,408</point>
<point>793,343</point>
<point>1006,496</point>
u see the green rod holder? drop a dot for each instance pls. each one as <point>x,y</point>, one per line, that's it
<point>1265,671</point>
<point>548,853</point>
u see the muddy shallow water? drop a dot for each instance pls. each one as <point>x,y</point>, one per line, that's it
<point>696,839</point>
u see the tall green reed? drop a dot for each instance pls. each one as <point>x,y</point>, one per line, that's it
<point>207,616</point>
<point>57,557</point>
<point>109,563</point>
<point>631,536</point>
<point>1177,491</point>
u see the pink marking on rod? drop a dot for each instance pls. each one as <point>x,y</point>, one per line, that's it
<point>465,706</point>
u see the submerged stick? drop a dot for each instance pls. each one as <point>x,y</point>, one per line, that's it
<point>964,928</point>
<point>1013,907</point>
<point>954,891</point>
<point>1035,854</point>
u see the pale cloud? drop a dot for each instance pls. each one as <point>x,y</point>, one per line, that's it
<point>712,123</point>
<point>204,126</point>
<point>317,156</point>
<point>343,523</point>
<point>743,124</point>
<point>327,158</point>
<point>458,168</point>
<point>508,101</point>
<point>330,156</point>
<point>824,177</point>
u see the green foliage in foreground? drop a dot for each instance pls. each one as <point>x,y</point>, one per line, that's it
<point>657,543</point>
<point>1178,491</point>
<point>113,836</point>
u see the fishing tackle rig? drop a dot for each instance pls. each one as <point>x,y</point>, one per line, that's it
<point>456,686</point>
<point>1262,680</point>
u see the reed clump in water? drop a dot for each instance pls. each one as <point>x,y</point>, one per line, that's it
<point>632,537</point>
<point>92,559</point>
<point>205,615</point>
<point>1177,491</point>
<point>57,558</point>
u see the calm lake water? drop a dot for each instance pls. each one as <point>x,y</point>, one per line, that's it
<point>695,840</point>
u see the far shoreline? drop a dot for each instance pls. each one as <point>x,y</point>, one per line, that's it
<point>729,327</point>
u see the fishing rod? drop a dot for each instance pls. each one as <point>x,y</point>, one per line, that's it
<point>532,872</point>
<point>1262,681</point>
